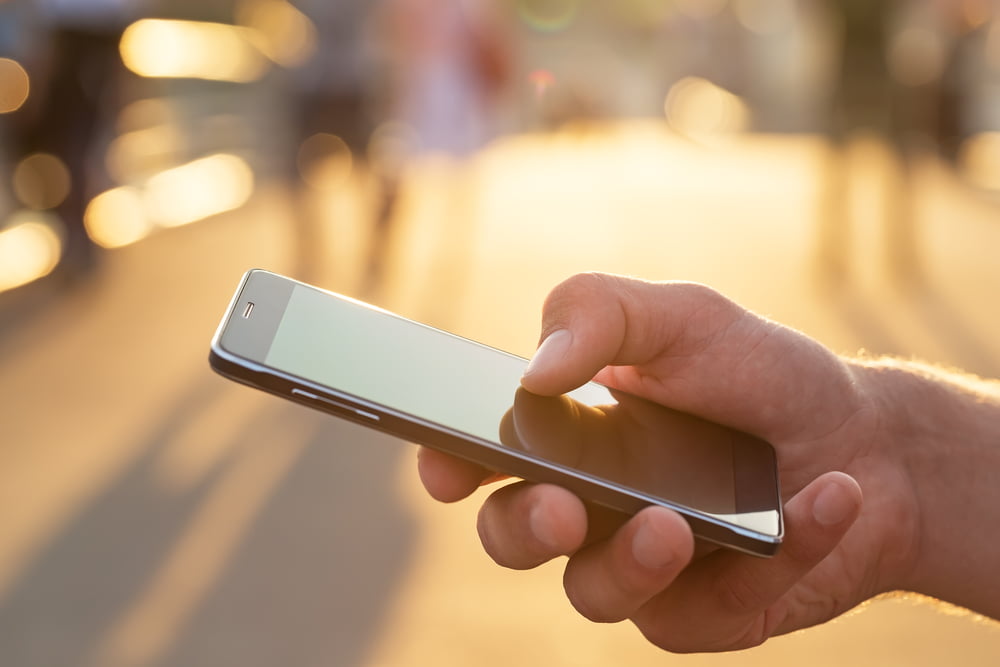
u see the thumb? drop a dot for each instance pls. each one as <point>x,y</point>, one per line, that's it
<point>583,326</point>
<point>686,346</point>
<point>551,370</point>
<point>594,320</point>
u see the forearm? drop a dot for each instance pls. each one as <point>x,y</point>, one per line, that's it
<point>944,429</point>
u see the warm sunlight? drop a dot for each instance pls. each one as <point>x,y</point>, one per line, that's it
<point>29,249</point>
<point>192,49</point>
<point>14,85</point>
<point>198,189</point>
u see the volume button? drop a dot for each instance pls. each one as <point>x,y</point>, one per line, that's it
<point>371,416</point>
<point>337,404</point>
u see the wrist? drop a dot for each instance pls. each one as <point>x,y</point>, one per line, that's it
<point>942,431</point>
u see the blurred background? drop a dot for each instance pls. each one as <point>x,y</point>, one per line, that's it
<point>834,164</point>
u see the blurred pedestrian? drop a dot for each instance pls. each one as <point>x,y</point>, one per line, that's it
<point>446,66</point>
<point>77,74</point>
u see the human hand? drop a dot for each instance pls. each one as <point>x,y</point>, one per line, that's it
<point>687,347</point>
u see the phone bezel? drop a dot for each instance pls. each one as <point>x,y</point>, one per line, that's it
<point>270,293</point>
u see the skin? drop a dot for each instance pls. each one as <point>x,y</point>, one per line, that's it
<point>888,472</point>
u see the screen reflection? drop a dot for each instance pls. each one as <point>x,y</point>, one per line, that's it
<point>631,442</point>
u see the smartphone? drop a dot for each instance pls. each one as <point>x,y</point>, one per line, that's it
<point>372,367</point>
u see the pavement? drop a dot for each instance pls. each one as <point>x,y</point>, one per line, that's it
<point>152,513</point>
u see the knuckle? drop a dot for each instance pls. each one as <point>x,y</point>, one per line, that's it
<point>505,530</point>
<point>497,534</point>
<point>707,304</point>
<point>756,633</point>
<point>738,594</point>
<point>672,637</point>
<point>580,290</point>
<point>588,281</point>
<point>585,605</point>
<point>606,587</point>
<point>682,639</point>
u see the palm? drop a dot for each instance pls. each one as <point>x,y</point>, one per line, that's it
<point>855,570</point>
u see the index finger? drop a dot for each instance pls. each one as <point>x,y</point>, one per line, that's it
<point>448,478</point>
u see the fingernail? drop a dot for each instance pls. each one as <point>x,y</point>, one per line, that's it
<point>541,528</point>
<point>649,549</point>
<point>552,350</point>
<point>832,506</point>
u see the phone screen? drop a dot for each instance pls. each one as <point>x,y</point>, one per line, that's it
<point>460,386</point>
<point>395,362</point>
